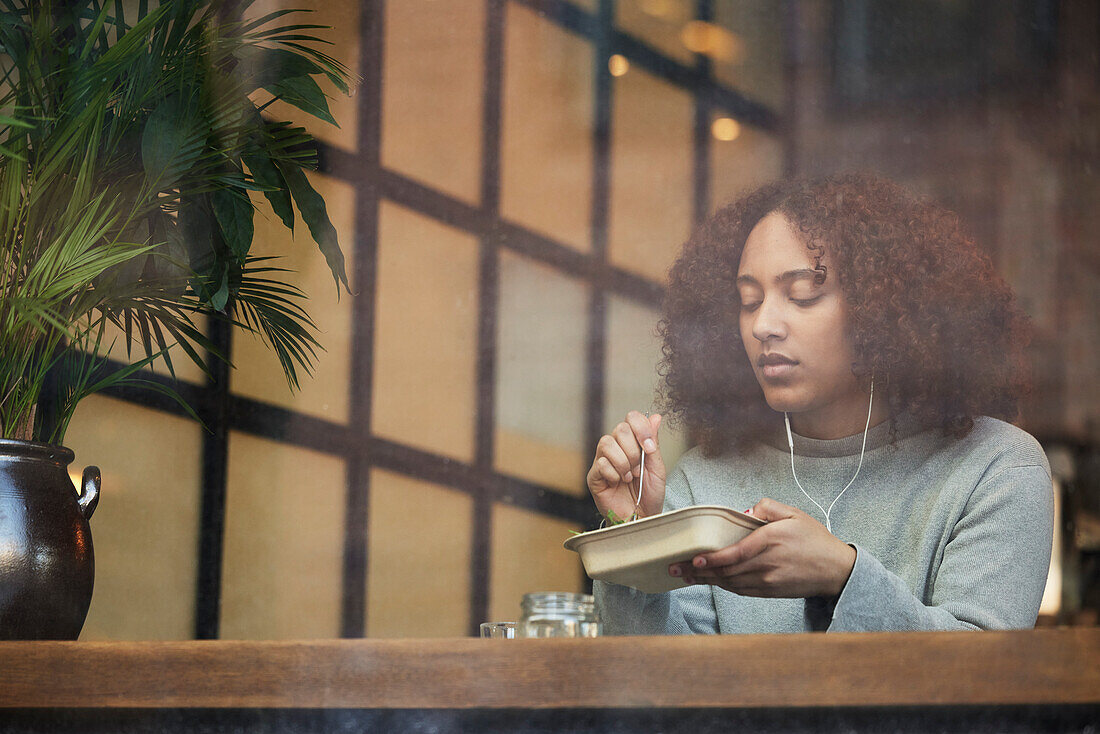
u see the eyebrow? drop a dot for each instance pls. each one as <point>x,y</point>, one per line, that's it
<point>786,277</point>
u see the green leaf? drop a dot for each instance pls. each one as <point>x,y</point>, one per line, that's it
<point>334,70</point>
<point>303,93</point>
<point>313,211</point>
<point>172,141</point>
<point>221,296</point>
<point>261,67</point>
<point>264,20</point>
<point>170,256</point>
<point>15,122</point>
<point>198,235</point>
<point>233,211</point>
<point>95,30</point>
<point>274,186</point>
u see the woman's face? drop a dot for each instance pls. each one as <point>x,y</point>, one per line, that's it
<point>795,333</point>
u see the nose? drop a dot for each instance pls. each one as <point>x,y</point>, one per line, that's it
<point>768,321</point>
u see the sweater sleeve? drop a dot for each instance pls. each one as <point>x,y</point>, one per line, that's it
<point>992,574</point>
<point>689,610</point>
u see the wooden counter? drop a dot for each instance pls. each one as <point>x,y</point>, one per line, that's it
<point>1049,669</point>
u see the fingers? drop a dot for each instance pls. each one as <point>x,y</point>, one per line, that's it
<point>645,432</point>
<point>769,510</point>
<point>725,561</point>
<point>610,456</point>
<point>752,573</point>
<point>605,472</point>
<point>627,440</point>
<point>618,463</point>
<point>624,445</point>
<point>752,578</point>
<point>642,430</point>
<point>743,550</point>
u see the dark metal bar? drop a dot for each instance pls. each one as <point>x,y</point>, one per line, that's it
<point>595,386</point>
<point>568,15</point>
<point>353,610</point>
<point>488,290</point>
<point>275,422</point>
<point>213,409</point>
<point>461,215</point>
<point>653,61</point>
<point>583,266</point>
<point>281,424</point>
<point>792,72</point>
<point>193,395</point>
<point>701,144</point>
<point>436,469</point>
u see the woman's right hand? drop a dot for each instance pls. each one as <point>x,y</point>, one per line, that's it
<point>613,478</point>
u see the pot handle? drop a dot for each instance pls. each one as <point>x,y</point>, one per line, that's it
<point>89,495</point>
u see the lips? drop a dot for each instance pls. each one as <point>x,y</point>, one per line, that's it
<point>774,358</point>
<point>775,366</point>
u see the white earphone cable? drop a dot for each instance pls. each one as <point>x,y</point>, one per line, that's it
<point>790,443</point>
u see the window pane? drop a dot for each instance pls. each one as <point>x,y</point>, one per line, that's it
<point>527,556</point>
<point>753,158</point>
<point>651,173</point>
<point>145,531</point>
<point>432,93</point>
<point>258,374</point>
<point>425,358</point>
<point>755,64</point>
<point>422,531</point>
<point>282,575</point>
<point>342,17</point>
<point>659,23</point>
<point>540,396</point>
<point>633,352</point>
<point>546,156</point>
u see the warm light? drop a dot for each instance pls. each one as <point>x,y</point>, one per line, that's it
<point>706,38</point>
<point>670,10</point>
<point>1052,594</point>
<point>725,129</point>
<point>618,65</point>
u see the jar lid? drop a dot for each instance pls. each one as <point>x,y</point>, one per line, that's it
<point>557,600</point>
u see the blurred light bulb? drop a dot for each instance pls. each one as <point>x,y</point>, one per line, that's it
<point>668,10</point>
<point>706,38</point>
<point>725,129</point>
<point>656,8</point>
<point>618,65</point>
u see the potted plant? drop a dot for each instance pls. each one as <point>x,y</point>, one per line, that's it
<point>131,144</point>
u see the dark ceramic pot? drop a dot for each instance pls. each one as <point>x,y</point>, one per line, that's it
<point>46,564</point>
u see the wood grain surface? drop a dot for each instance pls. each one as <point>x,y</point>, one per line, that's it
<point>1052,666</point>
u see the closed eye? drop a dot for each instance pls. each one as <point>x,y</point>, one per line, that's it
<point>806,301</point>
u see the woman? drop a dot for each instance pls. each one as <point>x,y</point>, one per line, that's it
<point>846,360</point>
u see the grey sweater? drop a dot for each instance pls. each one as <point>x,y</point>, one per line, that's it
<point>949,533</point>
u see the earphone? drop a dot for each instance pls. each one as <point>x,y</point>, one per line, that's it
<point>790,444</point>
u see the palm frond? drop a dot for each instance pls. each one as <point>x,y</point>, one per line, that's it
<point>128,143</point>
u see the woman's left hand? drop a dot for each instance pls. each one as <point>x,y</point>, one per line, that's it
<point>793,556</point>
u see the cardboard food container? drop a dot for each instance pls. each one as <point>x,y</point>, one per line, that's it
<point>637,554</point>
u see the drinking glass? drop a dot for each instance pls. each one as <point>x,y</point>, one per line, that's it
<point>505,630</point>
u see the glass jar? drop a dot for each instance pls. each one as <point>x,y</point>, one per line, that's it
<point>558,614</point>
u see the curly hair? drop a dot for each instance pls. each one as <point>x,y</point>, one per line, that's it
<point>927,313</point>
